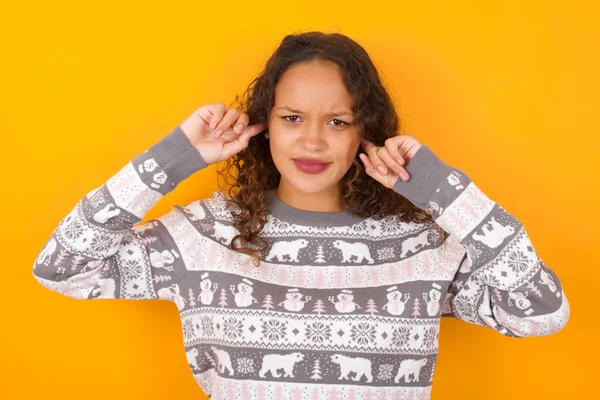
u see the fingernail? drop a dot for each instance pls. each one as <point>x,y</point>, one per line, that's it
<point>238,128</point>
<point>404,177</point>
<point>383,170</point>
<point>400,161</point>
<point>217,133</point>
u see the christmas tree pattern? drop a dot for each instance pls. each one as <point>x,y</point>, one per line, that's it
<point>319,307</point>
<point>372,307</point>
<point>316,371</point>
<point>223,298</point>
<point>268,302</point>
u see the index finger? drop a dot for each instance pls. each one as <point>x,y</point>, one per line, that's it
<point>367,145</point>
<point>258,127</point>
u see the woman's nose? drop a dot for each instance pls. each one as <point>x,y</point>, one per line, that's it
<point>313,136</point>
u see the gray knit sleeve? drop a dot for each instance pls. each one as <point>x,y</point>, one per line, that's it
<point>501,281</point>
<point>100,249</point>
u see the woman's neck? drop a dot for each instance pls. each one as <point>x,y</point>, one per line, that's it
<point>327,201</point>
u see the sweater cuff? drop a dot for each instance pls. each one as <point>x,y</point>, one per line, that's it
<point>170,161</point>
<point>426,173</point>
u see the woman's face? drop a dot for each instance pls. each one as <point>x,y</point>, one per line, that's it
<point>312,118</point>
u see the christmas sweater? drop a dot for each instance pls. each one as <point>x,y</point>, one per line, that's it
<point>341,307</point>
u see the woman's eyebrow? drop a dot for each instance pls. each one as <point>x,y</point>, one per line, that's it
<point>333,113</point>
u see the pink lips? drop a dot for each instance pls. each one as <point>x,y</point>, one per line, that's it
<point>310,166</point>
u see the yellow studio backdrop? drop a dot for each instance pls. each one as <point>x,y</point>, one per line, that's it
<point>507,91</point>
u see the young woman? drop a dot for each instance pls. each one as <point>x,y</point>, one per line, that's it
<point>324,269</point>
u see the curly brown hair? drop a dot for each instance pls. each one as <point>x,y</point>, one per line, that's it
<point>253,172</point>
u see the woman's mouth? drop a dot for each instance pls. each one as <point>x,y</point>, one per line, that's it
<point>310,166</point>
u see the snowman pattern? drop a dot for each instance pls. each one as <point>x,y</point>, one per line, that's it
<point>150,165</point>
<point>520,301</point>
<point>293,300</point>
<point>163,259</point>
<point>432,298</point>
<point>345,302</point>
<point>243,296</point>
<point>207,289</point>
<point>396,301</point>
<point>172,292</point>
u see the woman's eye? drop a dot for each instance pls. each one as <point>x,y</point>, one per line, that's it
<point>290,116</point>
<point>339,122</point>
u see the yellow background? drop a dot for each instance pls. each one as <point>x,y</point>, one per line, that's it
<point>507,91</point>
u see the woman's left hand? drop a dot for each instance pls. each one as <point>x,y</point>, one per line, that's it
<point>386,164</point>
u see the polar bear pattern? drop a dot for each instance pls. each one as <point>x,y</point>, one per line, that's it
<point>195,210</point>
<point>290,248</point>
<point>224,233</point>
<point>494,234</point>
<point>358,250</point>
<point>46,253</point>
<point>191,356</point>
<point>172,292</point>
<point>273,362</point>
<point>410,367</point>
<point>107,212</point>
<point>105,289</point>
<point>223,360</point>
<point>357,365</point>
<point>413,244</point>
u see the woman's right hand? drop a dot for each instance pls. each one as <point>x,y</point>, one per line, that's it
<point>218,133</point>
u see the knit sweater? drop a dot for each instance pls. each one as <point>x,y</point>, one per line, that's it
<point>341,307</point>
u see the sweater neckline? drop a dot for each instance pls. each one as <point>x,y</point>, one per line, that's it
<point>287,213</point>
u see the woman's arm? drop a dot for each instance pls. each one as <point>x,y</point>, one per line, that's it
<point>98,251</point>
<point>501,281</point>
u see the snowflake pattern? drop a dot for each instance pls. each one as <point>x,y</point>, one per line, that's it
<point>517,261</point>
<point>386,372</point>
<point>430,338</point>
<point>98,198</point>
<point>463,307</point>
<point>318,332</point>
<point>389,225</point>
<point>401,336</point>
<point>273,329</point>
<point>207,326</point>
<point>72,231</point>
<point>131,269</point>
<point>436,235</point>
<point>361,227</point>
<point>232,327</point>
<point>245,365</point>
<point>188,329</point>
<point>386,253</point>
<point>490,280</point>
<point>101,242</point>
<point>474,251</point>
<point>363,333</point>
